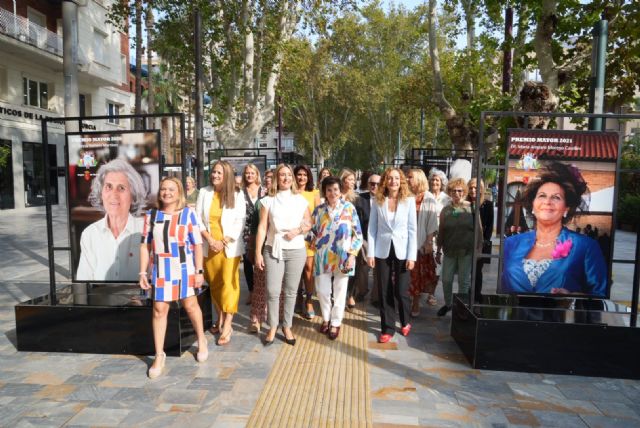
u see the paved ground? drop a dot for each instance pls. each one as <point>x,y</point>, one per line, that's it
<point>420,380</point>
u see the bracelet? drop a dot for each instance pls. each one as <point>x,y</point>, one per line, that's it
<point>142,273</point>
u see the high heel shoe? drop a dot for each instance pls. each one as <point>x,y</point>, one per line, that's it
<point>154,372</point>
<point>288,341</point>
<point>202,356</point>
<point>333,335</point>
<point>254,327</point>
<point>268,342</point>
<point>215,329</point>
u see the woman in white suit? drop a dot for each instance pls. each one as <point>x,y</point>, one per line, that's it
<point>393,249</point>
<point>221,209</point>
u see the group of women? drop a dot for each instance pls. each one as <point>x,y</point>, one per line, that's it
<point>296,240</point>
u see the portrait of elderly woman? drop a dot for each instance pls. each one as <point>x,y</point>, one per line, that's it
<point>109,248</point>
<point>551,259</point>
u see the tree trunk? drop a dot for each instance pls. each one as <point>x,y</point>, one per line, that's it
<point>460,130</point>
<point>150,88</point>
<point>138,99</point>
<point>542,42</point>
<point>536,97</point>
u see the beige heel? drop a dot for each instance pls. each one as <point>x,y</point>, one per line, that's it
<point>154,372</point>
<point>202,356</point>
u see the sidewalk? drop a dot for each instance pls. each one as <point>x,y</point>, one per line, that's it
<point>420,380</point>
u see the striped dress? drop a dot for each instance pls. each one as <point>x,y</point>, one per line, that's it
<point>173,238</point>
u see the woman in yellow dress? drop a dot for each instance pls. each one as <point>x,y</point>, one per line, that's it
<point>304,180</point>
<point>221,209</point>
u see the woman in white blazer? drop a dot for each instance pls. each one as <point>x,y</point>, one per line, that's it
<point>392,249</point>
<point>221,209</point>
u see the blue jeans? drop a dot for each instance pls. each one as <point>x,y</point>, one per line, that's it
<point>450,266</point>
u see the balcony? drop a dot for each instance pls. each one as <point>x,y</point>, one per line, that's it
<point>21,29</point>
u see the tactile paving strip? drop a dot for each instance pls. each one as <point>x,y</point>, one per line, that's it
<point>319,382</point>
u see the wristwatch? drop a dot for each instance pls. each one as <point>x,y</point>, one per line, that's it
<point>200,271</point>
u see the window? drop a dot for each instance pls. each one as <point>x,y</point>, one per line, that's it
<point>113,111</point>
<point>3,83</point>
<point>35,93</point>
<point>99,42</point>
<point>34,175</point>
<point>6,176</point>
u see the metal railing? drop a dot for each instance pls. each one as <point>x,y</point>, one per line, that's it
<point>20,28</point>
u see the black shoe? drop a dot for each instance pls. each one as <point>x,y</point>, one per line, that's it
<point>443,310</point>
<point>267,342</point>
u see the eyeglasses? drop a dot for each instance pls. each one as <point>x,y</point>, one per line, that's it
<point>457,191</point>
<point>373,183</point>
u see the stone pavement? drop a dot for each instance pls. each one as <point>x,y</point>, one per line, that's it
<point>420,380</point>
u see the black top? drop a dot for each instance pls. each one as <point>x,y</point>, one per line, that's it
<point>363,208</point>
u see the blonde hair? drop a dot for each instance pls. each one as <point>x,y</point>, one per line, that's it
<point>474,180</point>
<point>347,194</point>
<point>420,180</point>
<point>227,193</point>
<point>274,189</point>
<point>182,201</point>
<point>383,191</point>
<point>191,179</point>
<point>256,170</point>
<point>458,182</point>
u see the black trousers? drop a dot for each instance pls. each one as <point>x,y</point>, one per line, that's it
<point>248,272</point>
<point>393,278</point>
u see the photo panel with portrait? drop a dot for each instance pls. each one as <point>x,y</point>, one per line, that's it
<point>113,178</point>
<point>562,182</point>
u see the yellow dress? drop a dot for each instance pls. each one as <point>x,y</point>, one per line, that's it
<point>311,200</point>
<point>221,272</point>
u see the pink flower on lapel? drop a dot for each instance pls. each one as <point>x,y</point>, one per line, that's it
<point>562,249</point>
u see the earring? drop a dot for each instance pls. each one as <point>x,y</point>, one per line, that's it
<point>565,214</point>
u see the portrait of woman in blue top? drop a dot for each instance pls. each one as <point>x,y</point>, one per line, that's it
<point>551,259</point>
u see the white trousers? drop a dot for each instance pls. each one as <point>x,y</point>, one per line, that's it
<point>332,313</point>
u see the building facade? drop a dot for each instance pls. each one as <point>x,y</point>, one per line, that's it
<point>32,88</point>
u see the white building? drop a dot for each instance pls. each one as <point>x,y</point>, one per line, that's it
<point>32,87</point>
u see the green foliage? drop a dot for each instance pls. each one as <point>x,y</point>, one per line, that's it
<point>629,210</point>
<point>5,154</point>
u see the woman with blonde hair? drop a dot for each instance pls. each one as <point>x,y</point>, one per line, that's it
<point>221,208</point>
<point>171,241</point>
<point>284,221</point>
<point>423,275</point>
<point>252,190</point>
<point>192,192</point>
<point>393,249</point>
<point>455,240</point>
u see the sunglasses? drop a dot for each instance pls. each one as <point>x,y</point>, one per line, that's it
<point>374,183</point>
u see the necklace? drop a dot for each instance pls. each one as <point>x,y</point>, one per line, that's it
<point>545,245</point>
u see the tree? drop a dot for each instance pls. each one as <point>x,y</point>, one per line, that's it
<point>242,48</point>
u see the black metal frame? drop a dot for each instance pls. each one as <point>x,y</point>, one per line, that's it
<point>481,166</point>
<point>45,147</point>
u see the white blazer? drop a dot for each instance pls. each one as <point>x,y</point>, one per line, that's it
<point>403,232</point>
<point>232,221</point>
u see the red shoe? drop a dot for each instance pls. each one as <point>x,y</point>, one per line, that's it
<point>384,338</point>
<point>405,330</point>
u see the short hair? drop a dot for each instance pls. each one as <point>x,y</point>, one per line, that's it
<point>190,178</point>
<point>364,179</point>
<point>227,194</point>
<point>435,172</point>
<point>273,190</point>
<point>458,182</point>
<point>309,186</point>
<point>420,179</point>
<point>136,186</point>
<point>569,178</point>
<point>182,200</point>
<point>255,169</point>
<point>383,192</point>
<point>329,181</point>
<point>348,194</point>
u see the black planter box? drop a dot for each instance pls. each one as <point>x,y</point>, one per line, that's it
<point>102,319</point>
<point>571,336</point>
